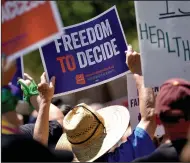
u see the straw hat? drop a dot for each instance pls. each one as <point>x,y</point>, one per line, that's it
<point>89,134</point>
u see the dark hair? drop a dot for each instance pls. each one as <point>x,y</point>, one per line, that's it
<point>65,109</point>
<point>157,141</point>
<point>169,117</point>
<point>57,102</point>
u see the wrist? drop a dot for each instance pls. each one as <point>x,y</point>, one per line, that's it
<point>44,101</point>
<point>44,105</point>
<point>37,100</point>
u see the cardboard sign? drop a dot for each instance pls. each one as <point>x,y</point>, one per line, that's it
<point>164,37</point>
<point>26,25</point>
<point>87,55</point>
<point>133,104</point>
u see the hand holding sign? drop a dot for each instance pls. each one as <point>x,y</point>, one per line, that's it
<point>164,40</point>
<point>46,90</point>
<point>87,55</point>
<point>133,61</point>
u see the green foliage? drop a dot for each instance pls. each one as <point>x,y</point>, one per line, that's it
<point>73,12</point>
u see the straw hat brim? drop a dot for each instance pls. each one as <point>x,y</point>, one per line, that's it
<point>116,122</point>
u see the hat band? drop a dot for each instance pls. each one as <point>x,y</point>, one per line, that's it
<point>93,115</point>
<point>87,138</point>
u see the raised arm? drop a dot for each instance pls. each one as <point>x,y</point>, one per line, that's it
<point>146,95</point>
<point>35,99</point>
<point>57,114</point>
<point>41,129</point>
<point>146,104</point>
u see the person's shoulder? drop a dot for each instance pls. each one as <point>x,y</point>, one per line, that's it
<point>16,148</point>
<point>140,134</point>
<point>55,124</point>
<point>55,132</point>
<point>14,141</point>
<point>27,129</point>
<point>10,137</point>
<point>55,128</point>
<point>165,152</point>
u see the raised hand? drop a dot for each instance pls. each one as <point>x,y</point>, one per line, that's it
<point>27,80</point>
<point>46,89</point>
<point>133,61</point>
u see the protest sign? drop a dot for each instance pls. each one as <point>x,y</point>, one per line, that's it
<point>28,24</point>
<point>19,74</point>
<point>87,55</point>
<point>133,104</point>
<point>164,38</point>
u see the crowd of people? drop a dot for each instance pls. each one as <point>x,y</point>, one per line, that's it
<point>56,132</point>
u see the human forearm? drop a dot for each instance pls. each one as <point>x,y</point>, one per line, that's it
<point>46,91</point>
<point>41,129</point>
<point>146,104</point>
<point>146,95</point>
<point>54,111</point>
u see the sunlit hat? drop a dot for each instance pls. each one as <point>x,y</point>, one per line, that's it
<point>90,134</point>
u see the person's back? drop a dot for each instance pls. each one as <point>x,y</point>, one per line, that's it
<point>169,152</point>
<point>16,148</point>
<point>172,107</point>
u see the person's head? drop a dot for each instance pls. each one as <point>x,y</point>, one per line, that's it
<point>128,132</point>
<point>173,107</point>
<point>57,102</point>
<point>9,105</point>
<point>8,99</point>
<point>65,109</point>
<point>86,101</point>
<point>90,134</point>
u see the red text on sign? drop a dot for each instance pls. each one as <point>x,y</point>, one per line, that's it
<point>68,62</point>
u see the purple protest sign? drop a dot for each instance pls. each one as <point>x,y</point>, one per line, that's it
<point>87,55</point>
<point>19,74</point>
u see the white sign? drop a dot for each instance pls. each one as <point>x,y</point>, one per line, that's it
<point>133,104</point>
<point>164,37</point>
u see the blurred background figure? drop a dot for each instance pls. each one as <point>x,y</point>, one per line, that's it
<point>172,107</point>
<point>57,102</point>
<point>86,100</point>
<point>96,106</point>
<point>161,140</point>
<point>20,118</point>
